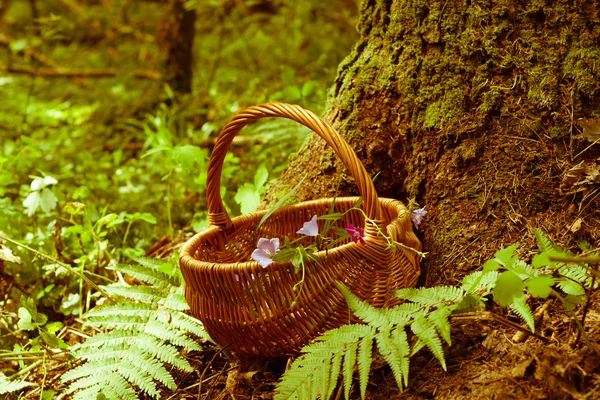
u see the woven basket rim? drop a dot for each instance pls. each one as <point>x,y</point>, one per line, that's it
<point>191,244</point>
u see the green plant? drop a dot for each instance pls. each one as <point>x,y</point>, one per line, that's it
<point>144,329</point>
<point>426,314</point>
<point>7,386</point>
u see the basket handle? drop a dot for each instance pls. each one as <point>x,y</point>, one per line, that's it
<point>217,215</point>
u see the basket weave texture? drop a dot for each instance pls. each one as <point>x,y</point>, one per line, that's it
<point>249,308</point>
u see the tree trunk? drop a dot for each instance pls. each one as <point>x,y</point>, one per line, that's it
<point>179,40</point>
<point>471,108</point>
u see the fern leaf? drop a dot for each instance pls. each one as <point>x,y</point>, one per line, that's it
<point>121,387</point>
<point>165,332</point>
<point>142,310</point>
<point>138,376</point>
<point>480,282</point>
<point>153,367</point>
<point>8,386</point>
<point>522,309</point>
<point>334,374</point>
<point>93,368</point>
<point>365,358</point>
<point>575,272</point>
<point>524,270</point>
<point>189,324</point>
<point>162,351</point>
<point>148,294</point>
<point>132,323</point>
<point>316,372</point>
<point>176,301</point>
<point>112,339</point>
<point>570,287</point>
<point>369,314</point>
<point>433,296</point>
<point>168,267</point>
<point>144,274</point>
<point>395,352</point>
<point>545,244</point>
<point>439,319</point>
<point>348,368</point>
<point>426,332</point>
<point>92,392</point>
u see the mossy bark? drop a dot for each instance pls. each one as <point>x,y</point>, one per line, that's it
<point>469,107</point>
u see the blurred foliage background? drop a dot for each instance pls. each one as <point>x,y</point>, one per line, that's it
<point>100,157</point>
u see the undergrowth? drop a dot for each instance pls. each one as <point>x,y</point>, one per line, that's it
<point>141,332</point>
<point>423,320</point>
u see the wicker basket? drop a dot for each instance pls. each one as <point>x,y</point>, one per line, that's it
<point>249,308</point>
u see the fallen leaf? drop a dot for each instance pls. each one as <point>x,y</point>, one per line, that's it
<point>7,255</point>
<point>575,226</point>
<point>591,128</point>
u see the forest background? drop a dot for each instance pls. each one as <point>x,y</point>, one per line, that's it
<point>110,109</point>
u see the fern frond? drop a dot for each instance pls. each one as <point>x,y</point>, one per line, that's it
<point>176,301</point>
<point>154,367</point>
<point>132,323</point>
<point>570,287</point>
<point>8,386</point>
<point>142,310</point>
<point>316,372</point>
<point>145,274</point>
<point>110,339</point>
<point>373,316</point>
<point>161,350</point>
<point>189,324</point>
<point>148,294</point>
<point>365,358</point>
<point>520,307</point>
<point>576,272</point>
<point>439,319</point>
<point>119,386</point>
<point>480,282</point>
<point>433,296</point>
<point>137,375</point>
<point>163,331</point>
<point>426,332</point>
<point>524,270</point>
<point>393,346</point>
<point>545,244</point>
<point>92,392</point>
<point>168,267</point>
<point>91,368</point>
<point>348,368</point>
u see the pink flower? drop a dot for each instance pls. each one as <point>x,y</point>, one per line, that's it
<point>355,233</point>
<point>310,228</point>
<point>416,216</point>
<point>265,250</point>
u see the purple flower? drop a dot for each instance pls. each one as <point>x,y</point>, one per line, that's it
<point>355,233</point>
<point>416,216</point>
<point>265,250</point>
<point>310,228</point>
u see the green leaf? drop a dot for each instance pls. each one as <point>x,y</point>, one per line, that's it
<point>189,156</point>
<point>491,265</point>
<point>505,256</point>
<point>309,88</point>
<point>25,321</point>
<point>47,200</point>
<point>260,177</point>
<point>570,287</point>
<point>291,93</point>
<point>331,217</point>
<point>31,203</point>
<point>508,286</point>
<point>285,255</point>
<point>540,286</point>
<point>248,198</point>
<point>522,309</point>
